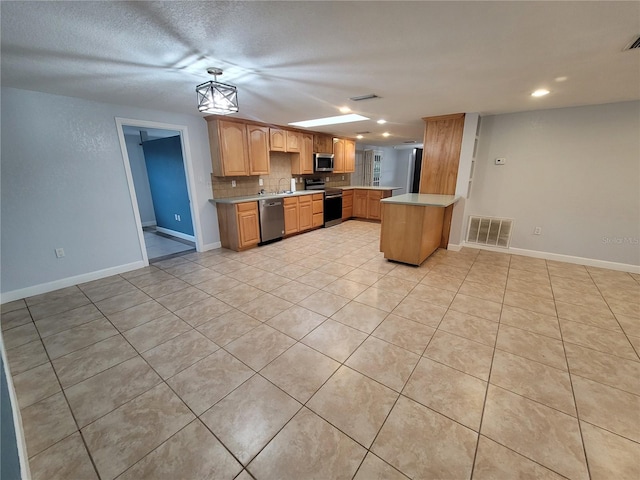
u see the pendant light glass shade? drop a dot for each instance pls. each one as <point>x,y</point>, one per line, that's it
<point>217,98</point>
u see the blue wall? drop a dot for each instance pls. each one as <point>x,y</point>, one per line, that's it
<point>168,183</point>
<point>9,461</point>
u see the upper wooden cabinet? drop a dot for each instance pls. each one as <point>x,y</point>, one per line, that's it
<point>344,155</point>
<point>294,141</point>
<point>349,156</point>
<point>302,163</point>
<point>338,155</point>
<point>322,143</point>
<point>258,147</point>
<point>277,140</point>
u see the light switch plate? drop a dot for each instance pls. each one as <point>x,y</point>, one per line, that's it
<point>501,161</point>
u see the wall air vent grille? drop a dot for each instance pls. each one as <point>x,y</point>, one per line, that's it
<point>634,44</point>
<point>491,231</point>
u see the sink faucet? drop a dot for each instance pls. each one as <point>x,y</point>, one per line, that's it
<point>280,191</point>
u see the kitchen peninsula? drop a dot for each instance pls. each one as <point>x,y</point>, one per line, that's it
<point>412,226</point>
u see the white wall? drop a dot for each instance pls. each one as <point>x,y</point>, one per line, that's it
<point>573,171</point>
<point>64,185</point>
<point>140,180</point>
<point>393,169</point>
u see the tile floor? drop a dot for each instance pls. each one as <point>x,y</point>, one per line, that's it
<point>159,245</point>
<point>316,358</point>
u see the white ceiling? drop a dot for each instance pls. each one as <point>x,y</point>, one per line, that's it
<point>299,60</point>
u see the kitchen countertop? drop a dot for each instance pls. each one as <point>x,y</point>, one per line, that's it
<point>353,187</point>
<point>266,196</point>
<point>422,199</point>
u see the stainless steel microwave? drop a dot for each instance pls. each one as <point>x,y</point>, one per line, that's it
<point>323,162</point>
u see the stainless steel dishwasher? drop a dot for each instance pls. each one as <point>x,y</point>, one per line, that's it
<point>271,219</point>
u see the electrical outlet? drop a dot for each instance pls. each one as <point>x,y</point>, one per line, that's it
<point>326,179</point>
<point>59,252</point>
<point>342,177</point>
<point>260,182</point>
<point>178,218</point>
<point>233,184</point>
<point>501,161</point>
<point>537,231</point>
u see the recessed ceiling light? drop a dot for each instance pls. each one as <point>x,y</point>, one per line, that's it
<point>317,122</point>
<point>344,109</point>
<point>359,137</point>
<point>386,134</point>
<point>382,121</point>
<point>561,79</point>
<point>540,92</point>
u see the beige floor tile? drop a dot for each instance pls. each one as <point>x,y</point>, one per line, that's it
<point>153,275</point>
<point>373,468</point>
<point>380,299</point>
<point>603,368</point>
<point>496,279</point>
<point>623,307</point>
<point>440,280</point>
<point>477,307</point>
<point>531,321</point>
<point>156,332</point>
<point>78,337</point>
<point>199,276</point>
<point>46,423</point>
<point>586,314</point>
<point>217,285</point>
<point>360,316</point>
<point>66,320</point>
<point>165,287</point>
<point>67,459</point>
<point>265,307</point>
<point>300,371</point>
<point>608,407</point>
<point>337,269</point>
<point>182,298</point>
<point>539,277</point>
<point>354,403</point>
<point>395,285</point>
<point>468,326</point>
<point>179,353</point>
<point>248,418</point>
<point>324,303</point>
<point>35,385</point>
<point>15,318</point>
<point>64,303</point>
<point>533,380</point>
<point>460,353</point>
<point>605,341</point>
<point>580,298</point>
<point>137,315</point>
<point>450,392</point>
<point>228,326</point>
<point>296,321</point>
<point>20,335</point>
<point>185,269</point>
<point>27,356</point>
<point>530,345</point>
<point>114,287</point>
<point>121,438</point>
<point>449,271</point>
<point>419,311</point>
<point>579,285</point>
<point>483,291</point>
<point>545,435</point>
<point>316,279</point>
<point>530,302</point>
<point>535,265</point>
<point>259,346</point>
<point>384,362</point>
<point>433,295</point>
<point>96,358</point>
<point>122,302</point>
<point>193,452</point>
<point>334,339</point>
<point>404,333</point>
<point>12,306</point>
<point>321,451</point>
<point>268,281</point>
<point>408,272</point>
<point>531,288</point>
<point>50,297</point>
<point>366,277</point>
<point>240,295</point>
<point>202,311</point>
<point>345,288</point>
<point>204,383</point>
<point>379,265</point>
<point>630,325</point>
<point>495,462</point>
<point>609,455</point>
<point>294,291</point>
<point>106,391</point>
<point>424,444</point>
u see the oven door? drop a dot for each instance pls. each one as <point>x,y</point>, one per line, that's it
<point>332,209</point>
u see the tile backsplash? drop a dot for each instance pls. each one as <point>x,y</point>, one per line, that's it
<point>278,179</point>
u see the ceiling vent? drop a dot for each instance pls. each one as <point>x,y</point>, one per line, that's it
<point>634,44</point>
<point>363,133</point>
<point>495,232</point>
<point>369,96</point>
<point>410,141</point>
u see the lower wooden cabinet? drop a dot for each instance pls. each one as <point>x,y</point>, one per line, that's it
<point>303,213</point>
<point>347,204</point>
<point>239,225</point>
<point>318,209</point>
<point>366,203</point>
<point>360,203</point>
<point>291,215</point>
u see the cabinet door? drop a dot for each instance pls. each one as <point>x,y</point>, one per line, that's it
<point>277,140</point>
<point>347,204</point>
<point>338,155</point>
<point>258,143</point>
<point>373,206</point>
<point>305,213</point>
<point>233,148</point>
<point>322,143</point>
<point>306,154</point>
<point>290,216</point>
<point>294,141</point>
<point>360,203</point>
<point>248,225</point>
<point>349,156</point>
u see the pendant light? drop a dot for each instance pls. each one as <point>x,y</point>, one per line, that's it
<point>215,97</point>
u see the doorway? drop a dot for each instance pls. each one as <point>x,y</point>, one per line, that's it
<point>159,174</point>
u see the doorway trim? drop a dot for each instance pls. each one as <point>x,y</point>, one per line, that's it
<point>188,167</point>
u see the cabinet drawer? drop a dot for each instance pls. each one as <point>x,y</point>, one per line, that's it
<point>347,201</point>
<point>318,206</point>
<point>290,201</point>
<point>375,194</point>
<point>318,196</point>
<point>318,219</point>
<point>246,207</point>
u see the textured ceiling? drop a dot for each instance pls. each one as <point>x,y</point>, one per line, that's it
<point>299,60</point>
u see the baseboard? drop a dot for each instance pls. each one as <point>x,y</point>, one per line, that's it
<point>148,224</point>
<point>211,246</point>
<point>68,282</point>
<point>558,257</point>
<point>454,247</point>
<point>173,233</point>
